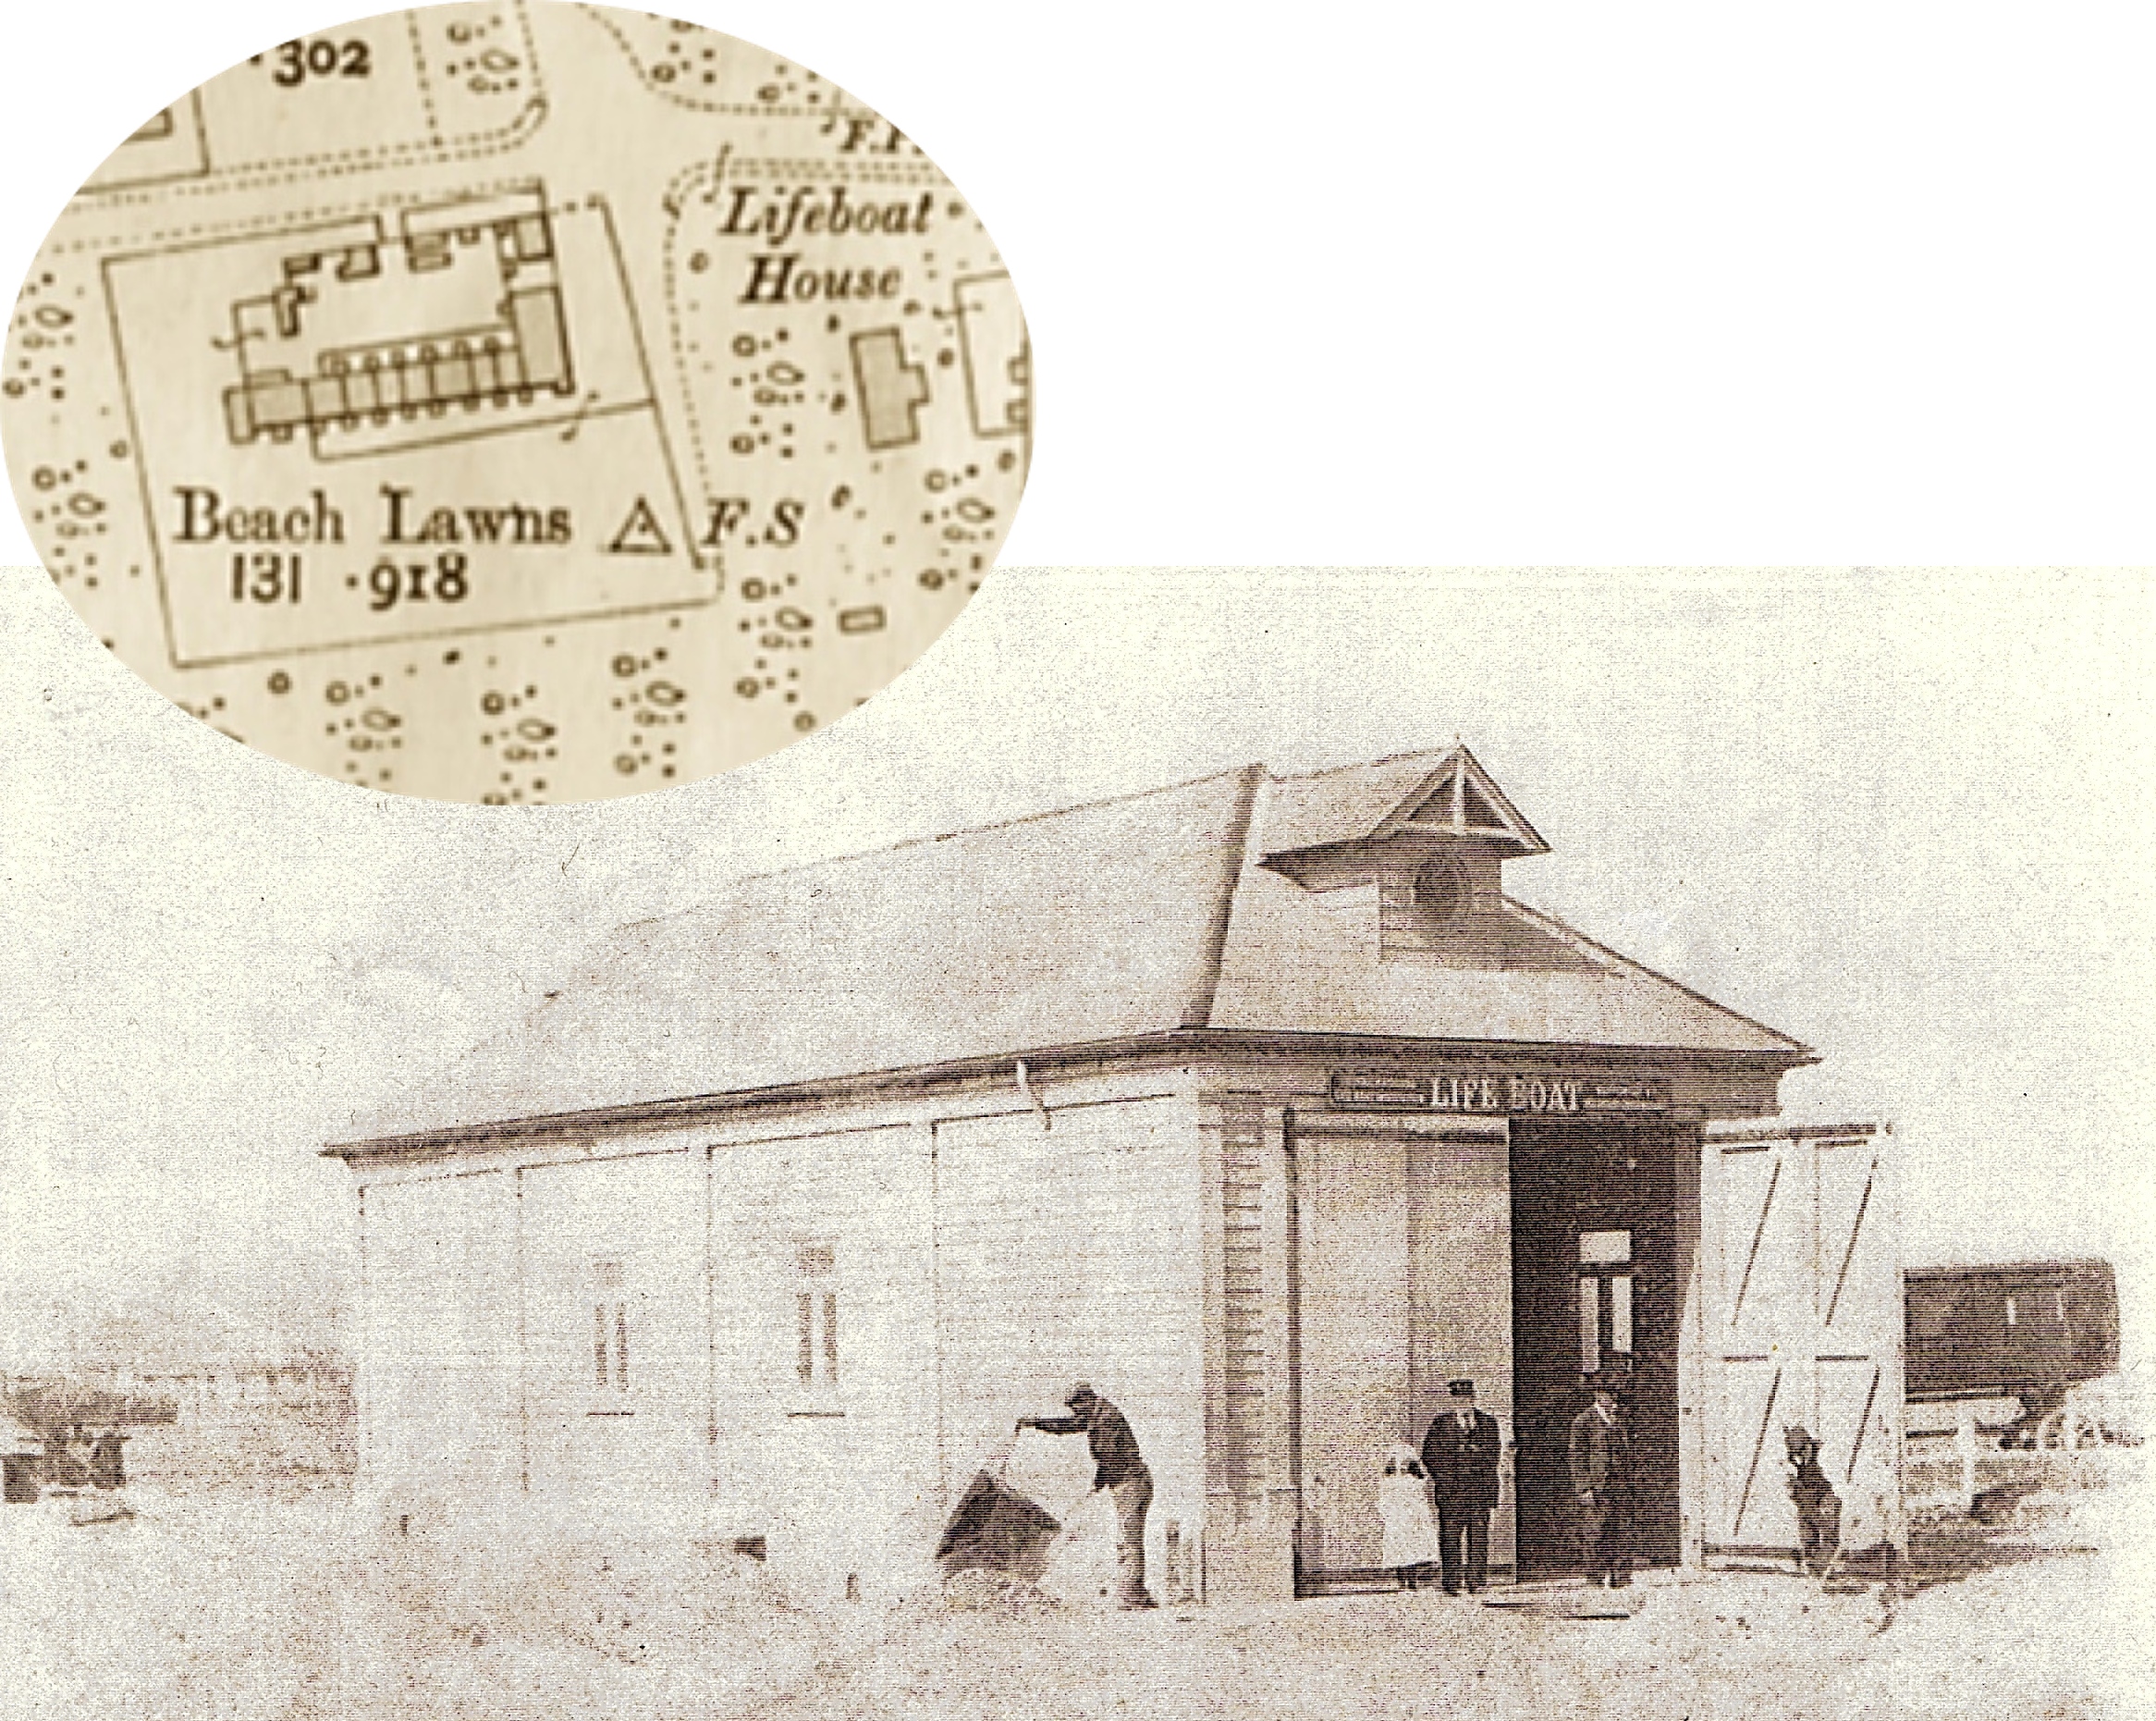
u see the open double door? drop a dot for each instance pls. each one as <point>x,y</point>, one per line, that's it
<point>1518,1255</point>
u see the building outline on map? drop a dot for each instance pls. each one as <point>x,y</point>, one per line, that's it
<point>467,354</point>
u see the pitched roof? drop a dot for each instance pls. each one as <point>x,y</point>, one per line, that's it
<point>1120,919</point>
<point>1307,961</point>
<point>1098,923</point>
<point>1353,803</point>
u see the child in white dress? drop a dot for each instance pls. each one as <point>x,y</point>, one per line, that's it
<point>1410,1545</point>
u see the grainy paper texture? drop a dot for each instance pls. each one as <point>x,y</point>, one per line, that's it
<point>1337,996</point>
<point>518,402</point>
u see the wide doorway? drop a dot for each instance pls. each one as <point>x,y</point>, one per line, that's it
<point>1403,1281</point>
<point>1595,1293</point>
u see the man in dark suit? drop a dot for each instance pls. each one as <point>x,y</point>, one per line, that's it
<point>1460,1453</point>
<point>1598,1454</point>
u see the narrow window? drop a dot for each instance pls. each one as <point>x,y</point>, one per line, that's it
<point>815,1306</point>
<point>1605,1282</point>
<point>609,1340</point>
<point>2009,1311</point>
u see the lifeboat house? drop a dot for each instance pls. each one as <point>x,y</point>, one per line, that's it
<point>1255,1101</point>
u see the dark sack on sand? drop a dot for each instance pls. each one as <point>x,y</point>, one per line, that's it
<point>995,1527</point>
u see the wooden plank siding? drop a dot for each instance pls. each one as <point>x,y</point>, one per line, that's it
<point>826,1449</point>
<point>1074,1253</point>
<point>440,1369</point>
<point>1251,1503</point>
<point>1242,1457</point>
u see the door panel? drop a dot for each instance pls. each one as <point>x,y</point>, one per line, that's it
<point>1749,1505</point>
<point>1461,1262</point>
<point>1801,1328</point>
<point>1352,1209</point>
<point>1856,1380</point>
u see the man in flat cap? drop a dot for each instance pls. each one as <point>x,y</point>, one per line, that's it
<point>1598,1454</point>
<point>1116,1466</point>
<point>1460,1454</point>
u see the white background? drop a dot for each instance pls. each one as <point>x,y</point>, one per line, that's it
<point>1444,284</point>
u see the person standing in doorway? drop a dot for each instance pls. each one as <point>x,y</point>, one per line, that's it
<point>1461,1454</point>
<point>1599,1456</point>
<point>1116,1466</point>
<point>1409,1544</point>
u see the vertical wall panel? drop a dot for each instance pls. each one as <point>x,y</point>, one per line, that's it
<point>1074,1253</point>
<point>439,1362</point>
<point>839,1475</point>
<point>619,1453</point>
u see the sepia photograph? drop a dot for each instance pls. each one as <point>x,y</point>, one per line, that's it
<point>869,862</point>
<point>1240,1142</point>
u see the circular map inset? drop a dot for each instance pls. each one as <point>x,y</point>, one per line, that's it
<point>517,401</point>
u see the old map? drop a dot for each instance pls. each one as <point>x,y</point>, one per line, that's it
<point>517,401</point>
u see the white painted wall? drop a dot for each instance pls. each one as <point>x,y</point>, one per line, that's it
<point>621,1452</point>
<point>839,1475</point>
<point>1067,1254</point>
<point>979,1262</point>
<point>437,1369</point>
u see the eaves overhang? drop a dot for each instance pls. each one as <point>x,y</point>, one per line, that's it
<point>1169,1047</point>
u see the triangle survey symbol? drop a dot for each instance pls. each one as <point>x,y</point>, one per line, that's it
<point>640,534</point>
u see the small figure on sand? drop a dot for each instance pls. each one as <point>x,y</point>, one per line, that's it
<point>1116,1466</point>
<point>1818,1507</point>
<point>1410,1543</point>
